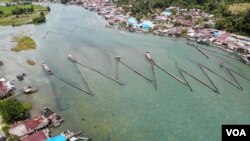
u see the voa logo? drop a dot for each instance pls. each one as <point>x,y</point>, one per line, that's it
<point>236,132</point>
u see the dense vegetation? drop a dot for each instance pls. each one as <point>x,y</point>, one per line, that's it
<point>39,19</point>
<point>229,20</point>
<point>22,14</point>
<point>12,110</point>
<point>19,11</point>
<point>24,43</point>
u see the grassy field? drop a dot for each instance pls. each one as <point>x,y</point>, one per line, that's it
<point>24,43</point>
<point>241,7</point>
<point>5,0</point>
<point>8,19</point>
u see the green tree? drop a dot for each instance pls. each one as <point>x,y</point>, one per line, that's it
<point>6,130</point>
<point>12,110</point>
<point>13,138</point>
<point>27,106</point>
<point>48,8</point>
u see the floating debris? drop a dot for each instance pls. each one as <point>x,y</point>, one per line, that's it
<point>21,77</point>
<point>31,62</point>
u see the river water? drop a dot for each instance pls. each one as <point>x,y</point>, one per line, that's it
<point>135,111</point>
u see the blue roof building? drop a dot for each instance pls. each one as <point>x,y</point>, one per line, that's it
<point>132,21</point>
<point>167,12</point>
<point>57,138</point>
<point>147,25</point>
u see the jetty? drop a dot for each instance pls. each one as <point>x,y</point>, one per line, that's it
<point>83,65</point>
<point>172,75</point>
<point>151,61</point>
<point>79,72</point>
<point>203,83</point>
<point>48,70</point>
<point>198,49</point>
<point>118,59</point>
<point>236,86</point>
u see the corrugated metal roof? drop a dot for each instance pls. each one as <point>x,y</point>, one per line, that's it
<point>35,123</point>
<point>19,130</point>
<point>38,136</point>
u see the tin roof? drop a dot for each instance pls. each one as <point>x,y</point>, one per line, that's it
<point>35,123</point>
<point>38,136</point>
<point>19,130</point>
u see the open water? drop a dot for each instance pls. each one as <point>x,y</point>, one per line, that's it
<point>135,111</point>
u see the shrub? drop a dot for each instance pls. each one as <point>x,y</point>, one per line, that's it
<point>12,110</point>
<point>40,19</point>
<point>6,130</point>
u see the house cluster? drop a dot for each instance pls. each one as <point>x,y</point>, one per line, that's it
<point>173,21</point>
<point>37,129</point>
<point>6,88</point>
<point>194,24</point>
<point>222,39</point>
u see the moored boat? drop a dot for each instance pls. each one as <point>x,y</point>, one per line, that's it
<point>71,58</point>
<point>46,68</point>
<point>29,89</point>
<point>245,59</point>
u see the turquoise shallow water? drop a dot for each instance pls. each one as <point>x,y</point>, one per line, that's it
<point>135,111</point>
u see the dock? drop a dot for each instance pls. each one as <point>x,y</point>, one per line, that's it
<point>198,49</point>
<point>203,83</point>
<point>50,32</point>
<point>151,61</point>
<point>118,59</point>
<point>172,75</point>
<point>79,72</point>
<point>238,86</point>
<point>48,70</point>
<point>83,65</point>
<point>202,68</point>
<point>70,84</point>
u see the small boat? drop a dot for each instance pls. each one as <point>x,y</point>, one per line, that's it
<point>46,68</point>
<point>71,58</point>
<point>245,59</point>
<point>71,136</point>
<point>29,89</point>
<point>148,56</point>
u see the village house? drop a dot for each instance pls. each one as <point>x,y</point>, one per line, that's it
<point>41,135</point>
<point>5,88</point>
<point>29,126</point>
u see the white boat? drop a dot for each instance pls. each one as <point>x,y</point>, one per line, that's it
<point>46,68</point>
<point>29,89</point>
<point>148,56</point>
<point>245,59</point>
<point>71,58</point>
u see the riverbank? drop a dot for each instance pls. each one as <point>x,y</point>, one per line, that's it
<point>193,24</point>
<point>129,112</point>
<point>19,14</point>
